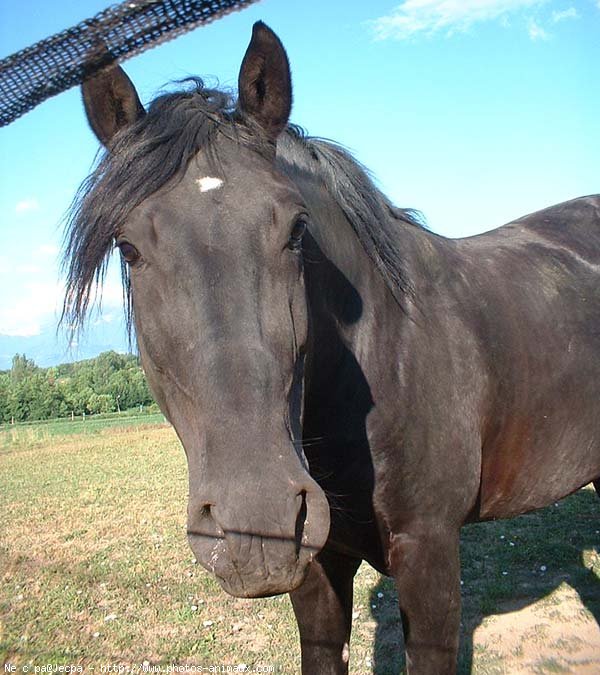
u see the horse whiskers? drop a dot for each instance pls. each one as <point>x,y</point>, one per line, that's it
<point>312,261</point>
<point>308,442</point>
<point>343,513</point>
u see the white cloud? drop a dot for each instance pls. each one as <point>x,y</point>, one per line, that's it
<point>536,32</point>
<point>44,250</point>
<point>564,14</point>
<point>104,318</point>
<point>37,303</point>
<point>33,297</point>
<point>109,295</point>
<point>431,16</point>
<point>26,205</point>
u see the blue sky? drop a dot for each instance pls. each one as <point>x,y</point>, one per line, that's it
<point>473,111</point>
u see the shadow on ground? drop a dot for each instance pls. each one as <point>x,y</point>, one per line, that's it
<point>506,566</point>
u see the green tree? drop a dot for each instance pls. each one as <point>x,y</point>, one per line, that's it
<point>102,384</point>
<point>101,403</point>
<point>4,393</point>
<point>22,368</point>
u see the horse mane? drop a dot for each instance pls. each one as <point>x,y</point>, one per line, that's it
<point>143,158</point>
<point>158,148</point>
<point>374,219</point>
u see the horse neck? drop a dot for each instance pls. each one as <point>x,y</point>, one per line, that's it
<point>355,324</point>
<point>351,304</point>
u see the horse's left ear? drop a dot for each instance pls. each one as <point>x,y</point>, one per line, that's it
<point>265,83</point>
<point>111,103</point>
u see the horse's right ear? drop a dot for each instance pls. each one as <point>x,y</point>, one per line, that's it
<point>111,103</point>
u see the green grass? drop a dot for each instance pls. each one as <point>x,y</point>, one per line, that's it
<point>95,567</point>
<point>28,434</point>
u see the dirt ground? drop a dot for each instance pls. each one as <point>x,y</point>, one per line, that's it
<point>554,635</point>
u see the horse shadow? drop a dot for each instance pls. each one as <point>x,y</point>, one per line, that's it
<point>506,566</point>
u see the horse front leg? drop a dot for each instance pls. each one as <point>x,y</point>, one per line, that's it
<point>425,563</point>
<point>323,608</point>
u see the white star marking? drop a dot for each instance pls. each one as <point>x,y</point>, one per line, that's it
<point>209,183</point>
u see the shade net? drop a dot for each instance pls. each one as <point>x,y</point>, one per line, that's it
<point>115,34</point>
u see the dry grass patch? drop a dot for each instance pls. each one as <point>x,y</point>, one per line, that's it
<point>95,568</point>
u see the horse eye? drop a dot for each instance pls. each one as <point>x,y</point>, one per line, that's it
<point>296,235</point>
<point>129,252</point>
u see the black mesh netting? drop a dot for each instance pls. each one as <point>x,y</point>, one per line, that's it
<point>67,58</point>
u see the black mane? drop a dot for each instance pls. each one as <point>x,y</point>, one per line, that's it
<point>372,216</point>
<point>142,159</point>
<point>146,156</point>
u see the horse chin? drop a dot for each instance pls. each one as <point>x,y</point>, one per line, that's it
<point>275,584</point>
<point>251,579</point>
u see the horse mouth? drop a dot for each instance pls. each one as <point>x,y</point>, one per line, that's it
<point>253,566</point>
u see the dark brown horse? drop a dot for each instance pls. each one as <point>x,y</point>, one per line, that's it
<point>347,385</point>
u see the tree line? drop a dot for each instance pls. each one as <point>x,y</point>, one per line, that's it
<point>108,383</point>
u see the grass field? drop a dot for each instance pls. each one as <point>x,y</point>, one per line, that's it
<point>25,434</point>
<point>95,570</point>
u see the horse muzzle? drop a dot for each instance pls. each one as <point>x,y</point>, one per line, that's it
<point>262,549</point>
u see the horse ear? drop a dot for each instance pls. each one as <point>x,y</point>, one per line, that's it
<point>111,103</point>
<point>265,83</point>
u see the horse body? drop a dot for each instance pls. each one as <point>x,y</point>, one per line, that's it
<point>308,339</point>
<point>476,399</point>
<point>493,367</point>
<point>537,324</point>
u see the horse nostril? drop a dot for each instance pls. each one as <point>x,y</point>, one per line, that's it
<point>203,523</point>
<point>300,520</point>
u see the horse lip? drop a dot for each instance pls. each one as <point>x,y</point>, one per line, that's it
<point>318,521</point>
<point>305,545</point>
<point>241,587</point>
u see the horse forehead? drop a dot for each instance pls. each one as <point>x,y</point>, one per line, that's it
<point>243,186</point>
<point>237,168</point>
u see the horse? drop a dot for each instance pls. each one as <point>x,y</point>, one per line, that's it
<point>346,384</point>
